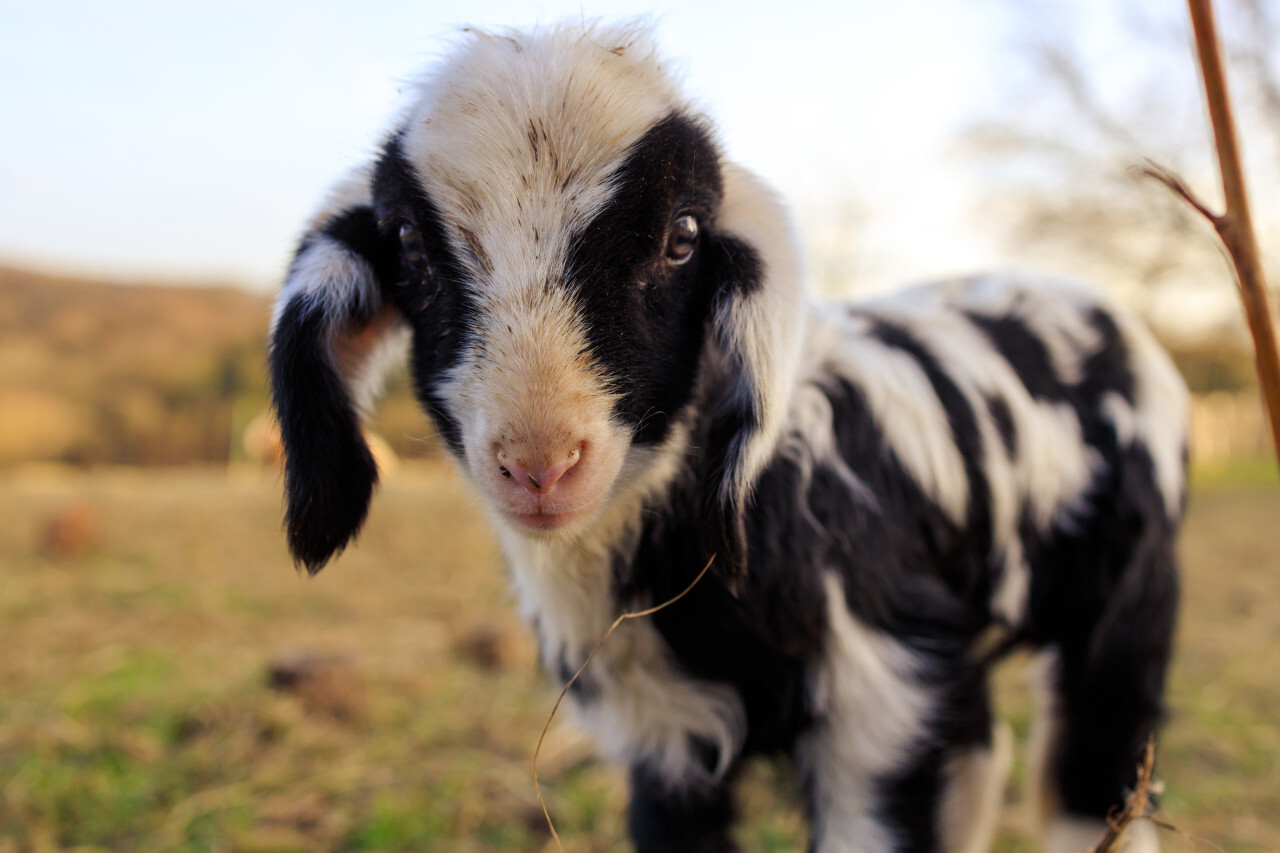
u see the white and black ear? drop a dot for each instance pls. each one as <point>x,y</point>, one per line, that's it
<point>332,339</point>
<point>755,337</point>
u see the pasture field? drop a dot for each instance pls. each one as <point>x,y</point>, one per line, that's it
<point>136,711</point>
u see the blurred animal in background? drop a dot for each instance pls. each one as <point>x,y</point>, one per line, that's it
<point>605,318</point>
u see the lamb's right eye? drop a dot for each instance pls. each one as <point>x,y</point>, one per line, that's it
<point>415,255</point>
<point>682,239</point>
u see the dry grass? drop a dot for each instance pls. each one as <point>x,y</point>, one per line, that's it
<point>136,711</point>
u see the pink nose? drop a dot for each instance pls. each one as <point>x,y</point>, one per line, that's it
<point>537,475</point>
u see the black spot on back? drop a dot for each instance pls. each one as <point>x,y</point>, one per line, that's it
<point>963,423</point>
<point>1105,370</point>
<point>1003,419</point>
<point>1025,353</point>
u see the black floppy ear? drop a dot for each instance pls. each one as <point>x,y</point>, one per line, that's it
<point>755,336</point>
<point>331,340</point>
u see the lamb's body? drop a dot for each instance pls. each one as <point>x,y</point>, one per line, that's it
<point>896,492</point>
<point>964,468</point>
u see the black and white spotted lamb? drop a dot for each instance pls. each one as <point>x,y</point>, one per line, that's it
<point>607,323</point>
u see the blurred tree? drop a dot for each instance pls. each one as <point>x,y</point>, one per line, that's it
<point>1103,85</point>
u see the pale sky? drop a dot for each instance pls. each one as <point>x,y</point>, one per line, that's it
<point>193,139</point>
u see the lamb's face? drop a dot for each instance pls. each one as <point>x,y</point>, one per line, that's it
<point>590,290</point>
<point>555,221</point>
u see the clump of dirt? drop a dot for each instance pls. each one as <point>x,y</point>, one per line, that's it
<point>327,685</point>
<point>491,646</point>
<point>70,533</point>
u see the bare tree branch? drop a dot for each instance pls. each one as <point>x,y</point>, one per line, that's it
<point>1058,173</point>
<point>1155,171</point>
<point>1235,226</point>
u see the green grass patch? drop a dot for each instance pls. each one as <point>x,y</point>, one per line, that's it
<point>137,715</point>
<point>1253,472</point>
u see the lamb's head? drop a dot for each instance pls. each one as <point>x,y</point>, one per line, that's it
<point>585,283</point>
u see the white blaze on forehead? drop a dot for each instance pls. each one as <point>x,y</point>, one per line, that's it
<point>532,375</point>
<point>517,136</point>
<point>516,140</point>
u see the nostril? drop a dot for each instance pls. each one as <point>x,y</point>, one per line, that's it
<point>536,475</point>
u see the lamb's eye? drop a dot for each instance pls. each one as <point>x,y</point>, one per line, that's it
<point>411,244</point>
<point>682,239</point>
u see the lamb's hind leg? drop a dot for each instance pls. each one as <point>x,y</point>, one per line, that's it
<point>1103,697</point>
<point>1071,795</point>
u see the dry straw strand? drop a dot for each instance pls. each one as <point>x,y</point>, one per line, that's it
<point>1138,806</point>
<point>568,684</point>
<point>1135,807</point>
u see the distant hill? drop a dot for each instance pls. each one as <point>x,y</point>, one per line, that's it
<point>124,374</point>
<point>146,374</point>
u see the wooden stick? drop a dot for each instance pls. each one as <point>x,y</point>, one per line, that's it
<point>1235,225</point>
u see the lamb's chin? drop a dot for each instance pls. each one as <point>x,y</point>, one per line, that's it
<point>540,524</point>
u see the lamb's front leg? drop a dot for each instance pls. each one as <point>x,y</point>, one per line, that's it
<point>873,712</point>
<point>693,819</point>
